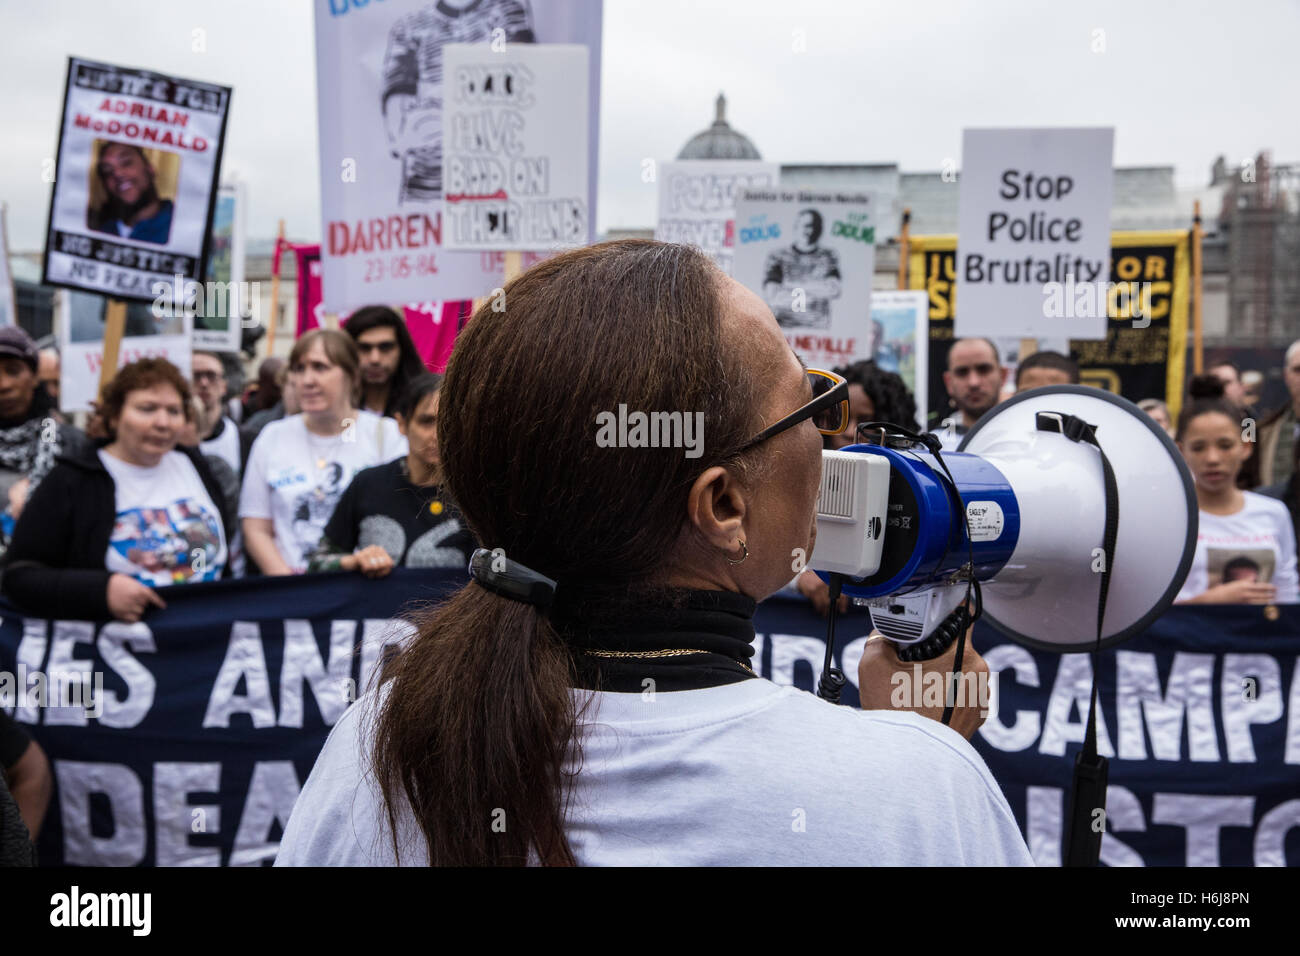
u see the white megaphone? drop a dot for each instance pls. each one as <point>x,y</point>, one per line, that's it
<point>1022,507</point>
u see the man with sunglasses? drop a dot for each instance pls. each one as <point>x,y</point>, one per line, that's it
<point>974,380</point>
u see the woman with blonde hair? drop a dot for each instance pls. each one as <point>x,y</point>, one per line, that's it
<point>300,465</point>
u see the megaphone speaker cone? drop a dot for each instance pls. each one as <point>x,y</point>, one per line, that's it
<point>1046,596</point>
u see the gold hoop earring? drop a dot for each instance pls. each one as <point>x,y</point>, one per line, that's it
<point>743,556</point>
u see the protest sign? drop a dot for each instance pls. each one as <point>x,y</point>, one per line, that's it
<point>1033,227</point>
<point>900,336</point>
<point>810,256</point>
<point>311,310</point>
<point>515,153</point>
<point>8,310</point>
<point>380,82</point>
<point>221,311</point>
<point>136,180</point>
<point>697,202</point>
<point>1143,354</point>
<point>149,333</point>
<point>185,739</point>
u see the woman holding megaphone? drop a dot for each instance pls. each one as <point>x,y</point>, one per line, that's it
<point>589,697</point>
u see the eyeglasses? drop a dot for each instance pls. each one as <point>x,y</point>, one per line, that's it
<point>829,408</point>
<point>207,376</point>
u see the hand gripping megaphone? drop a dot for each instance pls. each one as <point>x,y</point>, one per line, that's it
<point>1022,508</point>
<point>1066,513</point>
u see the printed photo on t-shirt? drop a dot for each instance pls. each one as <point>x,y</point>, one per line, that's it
<point>162,542</point>
<point>1225,565</point>
<point>312,509</point>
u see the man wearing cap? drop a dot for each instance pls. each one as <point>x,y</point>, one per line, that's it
<point>30,438</point>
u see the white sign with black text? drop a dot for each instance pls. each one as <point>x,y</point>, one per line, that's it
<point>697,202</point>
<point>1033,219</point>
<point>515,147</point>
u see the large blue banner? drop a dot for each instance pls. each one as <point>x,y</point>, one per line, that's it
<point>185,739</point>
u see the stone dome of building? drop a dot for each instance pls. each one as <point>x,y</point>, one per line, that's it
<point>719,141</point>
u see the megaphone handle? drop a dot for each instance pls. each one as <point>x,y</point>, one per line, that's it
<point>939,640</point>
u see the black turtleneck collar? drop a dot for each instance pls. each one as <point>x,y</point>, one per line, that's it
<point>717,626</point>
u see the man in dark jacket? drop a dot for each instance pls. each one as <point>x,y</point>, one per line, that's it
<point>30,437</point>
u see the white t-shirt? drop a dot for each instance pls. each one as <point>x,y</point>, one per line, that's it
<point>168,530</point>
<point>295,478</point>
<point>1257,541</point>
<point>225,446</point>
<point>743,774</point>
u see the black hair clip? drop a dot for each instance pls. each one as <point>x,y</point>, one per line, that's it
<point>510,579</point>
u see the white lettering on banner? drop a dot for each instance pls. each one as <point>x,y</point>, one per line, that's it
<point>273,789</point>
<point>31,653</point>
<point>789,649</point>
<point>302,662</point>
<point>1238,711</point>
<point>1022,734</point>
<point>1123,814</point>
<point>272,793</point>
<point>1203,816</point>
<point>140,683</point>
<point>172,785</point>
<point>1270,835</point>
<point>1292,753</point>
<point>1072,690</point>
<point>246,658</point>
<point>77,780</point>
<point>377,634</point>
<point>1190,692</point>
<point>63,668</point>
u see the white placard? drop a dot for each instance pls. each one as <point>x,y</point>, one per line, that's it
<point>149,333</point>
<point>380,70</point>
<point>136,177</point>
<point>810,255</point>
<point>218,322</point>
<point>8,307</point>
<point>697,202</point>
<point>1034,227</point>
<point>900,336</point>
<point>514,169</point>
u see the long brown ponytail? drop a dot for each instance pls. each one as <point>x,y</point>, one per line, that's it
<point>479,723</point>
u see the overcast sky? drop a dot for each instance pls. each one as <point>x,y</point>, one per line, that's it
<point>878,82</point>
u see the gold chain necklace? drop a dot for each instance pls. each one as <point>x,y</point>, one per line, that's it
<point>667,652</point>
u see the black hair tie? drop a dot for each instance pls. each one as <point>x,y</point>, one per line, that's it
<point>510,579</point>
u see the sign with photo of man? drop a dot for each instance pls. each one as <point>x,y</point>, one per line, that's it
<point>810,256</point>
<point>382,96</point>
<point>136,180</point>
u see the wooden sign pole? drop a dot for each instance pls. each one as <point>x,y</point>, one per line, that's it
<point>1198,353</point>
<point>275,294</point>
<point>114,326</point>
<point>904,244</point>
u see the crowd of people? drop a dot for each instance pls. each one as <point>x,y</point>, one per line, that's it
<point>330,461</point>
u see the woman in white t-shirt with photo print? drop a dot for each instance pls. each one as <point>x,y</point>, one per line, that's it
<point>111,526</point>
<point>1245,549</point>
<point>299,466</point>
